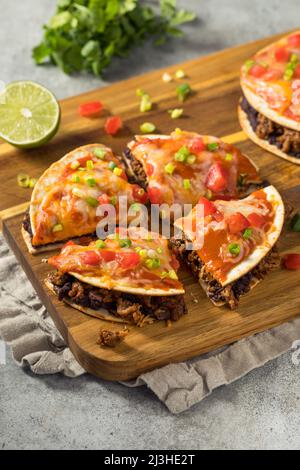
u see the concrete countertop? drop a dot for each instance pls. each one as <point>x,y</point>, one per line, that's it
<point>262,410</point>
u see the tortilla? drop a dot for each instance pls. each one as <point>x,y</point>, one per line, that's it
<point>258,251</point>
<point>55,203</point>
<point>247,128</point>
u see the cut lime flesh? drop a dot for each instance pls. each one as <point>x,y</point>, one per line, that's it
<point>29,114</point>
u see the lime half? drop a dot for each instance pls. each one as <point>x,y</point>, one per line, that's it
<point>29,114</point>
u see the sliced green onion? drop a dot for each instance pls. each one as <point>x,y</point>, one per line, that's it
<point>57,228</point>
<point>159,250</point>
<point>32,182</point>
<point>172,275</point>
<point>125,243</point>
<point>229,157</point>
<point>146,104</point>
<point>169,168</point>
<point>191,159</point>
<point>152,263</point>
<point>183,91</point>
<point>117,171</point>
<point>234,249</point>
<point>90,164</point>
<point>247,233</point>
<point>179,74</point>
<point>23,180</point>
<point>186,184</point>
<point>139,92</point>
<point>147,127</point>
<point>175,113</point>
<point>212,146</point>
<point>74,165</point>
<point>100,244</point>
<point>182,154</point>
<point>75,179</point>
<point>290,68</point>
<point>136,206</point>
<point>143,253</point>
<point>248,65</point>
<point>90,181</point>
<point>137,249</point>
<point>113,200</point>
<point>164,274</point>
<point>112,165</point>
<point>92,201</point>
<point>295,223</point>
<point>100,152</point>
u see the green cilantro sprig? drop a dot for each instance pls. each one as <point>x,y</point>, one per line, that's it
<point>85,35</point>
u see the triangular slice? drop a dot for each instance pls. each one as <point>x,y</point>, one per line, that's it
<point>132,274</point>
<point>181,167</point>
<point>67,195</point>
<point>232,243</point>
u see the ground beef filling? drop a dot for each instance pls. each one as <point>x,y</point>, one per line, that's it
<point>283,138</point>
<point>132,308</point>
<point>135,170</point>
<point>231,293</point>
<point>26,223</point>
<point>111,338</point>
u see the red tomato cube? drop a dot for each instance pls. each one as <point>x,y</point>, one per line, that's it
<point>292,261</point>
<point>113,125</point>
<point>208,207</point>
<point>217,177</point>
<point>256,220</point>
<point>107,255</point>
<point>197,145</point>
<point>237,223</point>
<point>294,40</point>
<point>282,54</point>
<point>155,195</point>
<point>139,194</point>
<point>91,109</point>
<point>128,260</point>
<point>91,258</point>
<point>257,71</point>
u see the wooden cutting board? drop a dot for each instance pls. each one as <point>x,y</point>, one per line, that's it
<point>212,110</point>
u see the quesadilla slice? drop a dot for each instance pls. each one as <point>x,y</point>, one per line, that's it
<point>269,111</point>
<point>65,199</point>
<point>131,277</point>
<point>183,166</point>
<point>233,243</point>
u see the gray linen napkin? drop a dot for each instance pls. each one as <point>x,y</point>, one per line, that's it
<point>35,343</point>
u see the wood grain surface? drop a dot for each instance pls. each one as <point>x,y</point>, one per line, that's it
<point>211,109</point>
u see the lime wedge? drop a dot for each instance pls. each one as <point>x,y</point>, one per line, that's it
<point>29,114</point>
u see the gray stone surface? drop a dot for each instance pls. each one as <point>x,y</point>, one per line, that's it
<point>259,411</point>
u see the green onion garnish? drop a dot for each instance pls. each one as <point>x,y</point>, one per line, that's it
<point>182,154</point>
<point>90,181</point>
<point>234,249</point>
<point>92,201</point>
<point>169,168</point>
<point>175,113</point>
<point>212,146</point>
<point>32,182</point>
<point>125,243</point>
<point>191,159</point>
<point>295,223</point>
<point>139,92</point>
<point>117,171</point>
<point>136,206</point>
<point>247,233</point>
<point>152,263</point>
<point>183,91</point>
<point>146,104</point>
<point>291,67</point>
<point>100,244</point>
<point>248,65</point>
<point>113,200</point>
<point>179,74</point>
<point>89,164</point>
<point>57,228</point>
<point>143,253</point>
<point>112,165</point>
<point>229,157</point>
<point>100,152</point>
<point>147,127</point>
<point>186,184</point>
<point>172,275</point>
<point>23,180</point>
<point>74,165</point>
<point>159,250</point>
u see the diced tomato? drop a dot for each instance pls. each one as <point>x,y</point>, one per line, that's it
<point>128,260</point>
<point>294,40</point>
<point>82,161</point>
<point>282,54</point>
<point>218,216</point>
<point>197,145</point>
<point>139,194</point>
<point>257,71</point>
<point>217,177</point>
<point>292,261</point>
<point>237,223</point>
<point>90,257</point>
<point>123,176</point>
<point>272,74</point>
<point>104,199</point>
<point>113,125</point>
<point>208,206</point>
<point>155,195</point>
<point>69,243</point>
<point>256,220</point>
<point>149,169</point>
<point>297,72</point>
<point>107,255</point>
<point>90,109</point>
<point>174,263</point>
